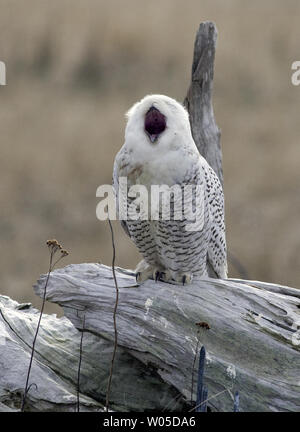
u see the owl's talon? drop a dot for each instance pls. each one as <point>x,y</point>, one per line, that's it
<point>161,275</point>
<point>184,278</point>
<point>165,276</point>
<point>157,275</point>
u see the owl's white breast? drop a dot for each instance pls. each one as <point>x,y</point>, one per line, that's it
<point>160,166</point>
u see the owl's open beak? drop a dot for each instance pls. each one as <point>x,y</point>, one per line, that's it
<point>155,123</point>
<point>153,137</point>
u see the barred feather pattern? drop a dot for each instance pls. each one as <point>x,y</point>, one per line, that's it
<point>167,244</point>
<point>173,160</point>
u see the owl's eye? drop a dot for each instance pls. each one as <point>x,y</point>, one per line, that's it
<point>155,123</point>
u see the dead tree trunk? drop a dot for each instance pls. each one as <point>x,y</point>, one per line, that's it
<point>198,100</point>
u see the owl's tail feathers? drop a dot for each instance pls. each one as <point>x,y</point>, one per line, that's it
<point>221,274</point>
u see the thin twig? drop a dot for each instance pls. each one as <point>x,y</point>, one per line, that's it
<point>79,364</point>
<point>114,317</point>
<point>205,401</point>
<point>54,247</point>
<point>57,261</point>
<point>211,397</point>
<point>172,401</point>
<point>36,333</point>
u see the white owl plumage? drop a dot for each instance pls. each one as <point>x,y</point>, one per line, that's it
<point>169,156</point>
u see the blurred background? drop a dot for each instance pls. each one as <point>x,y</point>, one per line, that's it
<point>75,67</point>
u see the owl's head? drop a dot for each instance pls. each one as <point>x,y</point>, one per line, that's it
<point>157,120</point>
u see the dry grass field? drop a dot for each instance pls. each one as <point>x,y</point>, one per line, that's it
<point>75,67</point>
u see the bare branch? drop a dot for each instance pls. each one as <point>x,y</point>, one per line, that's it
<point>198,100</point>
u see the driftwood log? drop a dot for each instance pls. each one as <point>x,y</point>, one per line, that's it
<point>252,344</point>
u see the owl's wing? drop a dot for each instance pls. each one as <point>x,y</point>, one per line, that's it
<point>217,255</point>
<point>120,164</point>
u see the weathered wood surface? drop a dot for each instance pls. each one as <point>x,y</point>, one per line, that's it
<point>252,346</point>
<point>55,363</point>
<point>253,334</point>
<point>198,100</point>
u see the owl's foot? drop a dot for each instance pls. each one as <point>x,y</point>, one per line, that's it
<point>142,276</point>
<point>166,276</point>
<point>161,275</point>
<point>184,278</point>
<point>143,272</point>
<point>146,271</point>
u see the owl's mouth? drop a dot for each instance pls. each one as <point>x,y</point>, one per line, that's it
<point>155,123</point>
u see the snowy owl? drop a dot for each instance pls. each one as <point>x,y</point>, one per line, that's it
<point>159,150</point>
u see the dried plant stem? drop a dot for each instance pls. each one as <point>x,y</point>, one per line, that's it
<point>36,333</point>
<point>79,364</point>
<point>172,402</point>
<point>54,247</point>
<point>114,317</point>
<point>210,398</point>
